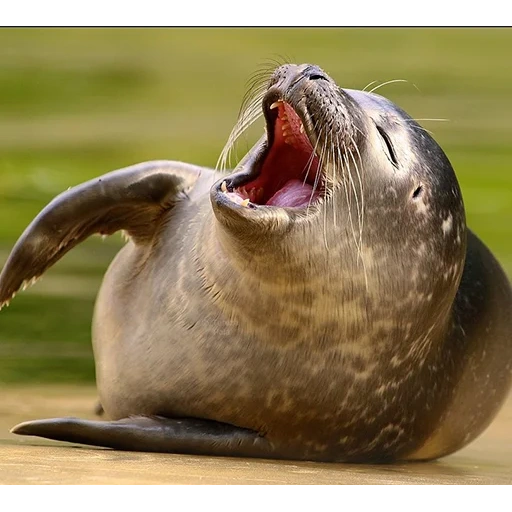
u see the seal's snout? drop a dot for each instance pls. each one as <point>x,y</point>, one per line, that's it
<point>288,74</point>
<point>288,174</point>
<point>291,168</point>
<point>285,171</point>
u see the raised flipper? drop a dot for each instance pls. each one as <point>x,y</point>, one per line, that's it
<point>133,199</point>
<point>154,434</point>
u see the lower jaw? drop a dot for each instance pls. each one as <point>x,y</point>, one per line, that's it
<point>294,193</point>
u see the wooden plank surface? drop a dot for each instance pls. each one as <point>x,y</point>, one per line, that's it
<point>25,460</point>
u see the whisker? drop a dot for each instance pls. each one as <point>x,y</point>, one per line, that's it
<point>326,242</point>
<point>353,187</point>
<point>334,165</point>
<point>315,184</point>
<point>361,218</point>
<point>254,90</point>
<point>277,60</point>
<point>418,127</point>
<point>309,163</point>
<point>360,184</point>
<point>425,119</point>
<point>317,175</point>
<point>320,166</point>
<point>250,111</point>
<point>360,132</point>
<point>352,182</point>
<point>369,85</point>
<point>246,118</point>
<point>346,172</point>
<point>387,83</point>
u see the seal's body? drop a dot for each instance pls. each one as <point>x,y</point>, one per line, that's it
<point>324,302</point>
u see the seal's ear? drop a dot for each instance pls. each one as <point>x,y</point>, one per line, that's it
<point>133,199</point>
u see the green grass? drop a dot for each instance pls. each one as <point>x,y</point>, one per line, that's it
<point>46,339</point>
<point>75,103</point>
<point>41,369</point>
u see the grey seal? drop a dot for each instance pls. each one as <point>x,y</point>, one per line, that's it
<point>325,301</point>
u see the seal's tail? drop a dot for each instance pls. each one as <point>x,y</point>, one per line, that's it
<point>154,434</point>
<point>132,199</point>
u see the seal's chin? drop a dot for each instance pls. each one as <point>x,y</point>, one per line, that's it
<point>287,173</point>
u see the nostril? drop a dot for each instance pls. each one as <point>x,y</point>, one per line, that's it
<point>315,73</point>
<point>317,76</point>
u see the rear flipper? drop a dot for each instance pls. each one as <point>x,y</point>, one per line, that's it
<point>154,434</point>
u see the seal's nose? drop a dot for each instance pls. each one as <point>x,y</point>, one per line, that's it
<point>314,73</point>
<point>287,75</point>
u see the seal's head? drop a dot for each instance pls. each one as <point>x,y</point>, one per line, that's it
<point>351,172</point>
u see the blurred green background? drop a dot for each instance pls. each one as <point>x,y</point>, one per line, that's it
<point>76,103</point>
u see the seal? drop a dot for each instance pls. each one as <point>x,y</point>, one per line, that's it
<point>325,301</point>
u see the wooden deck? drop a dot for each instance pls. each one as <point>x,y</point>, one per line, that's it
<point>488,460</point>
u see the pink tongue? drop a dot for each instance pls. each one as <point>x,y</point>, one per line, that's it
<point>294,193</point>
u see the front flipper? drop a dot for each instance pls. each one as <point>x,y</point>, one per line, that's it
<point>154,434</point>
<point>134,199</point>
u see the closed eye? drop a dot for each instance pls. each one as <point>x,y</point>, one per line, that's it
<point>387,141</point>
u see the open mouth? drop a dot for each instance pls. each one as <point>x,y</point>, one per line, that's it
<point>289,174</point>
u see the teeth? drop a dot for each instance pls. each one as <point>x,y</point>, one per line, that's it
<point>286,128</point>
<point>245,202</point>
<point>224,187</point>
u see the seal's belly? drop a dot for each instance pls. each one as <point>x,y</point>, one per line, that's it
<point>177,355</point>
<point>181,366</point>
<point>215,374</point>
<point>242,383</point>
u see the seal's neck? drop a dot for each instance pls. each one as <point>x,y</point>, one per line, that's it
<point>291,255</point>
<point>303,287</point>
<point>292,279</point>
